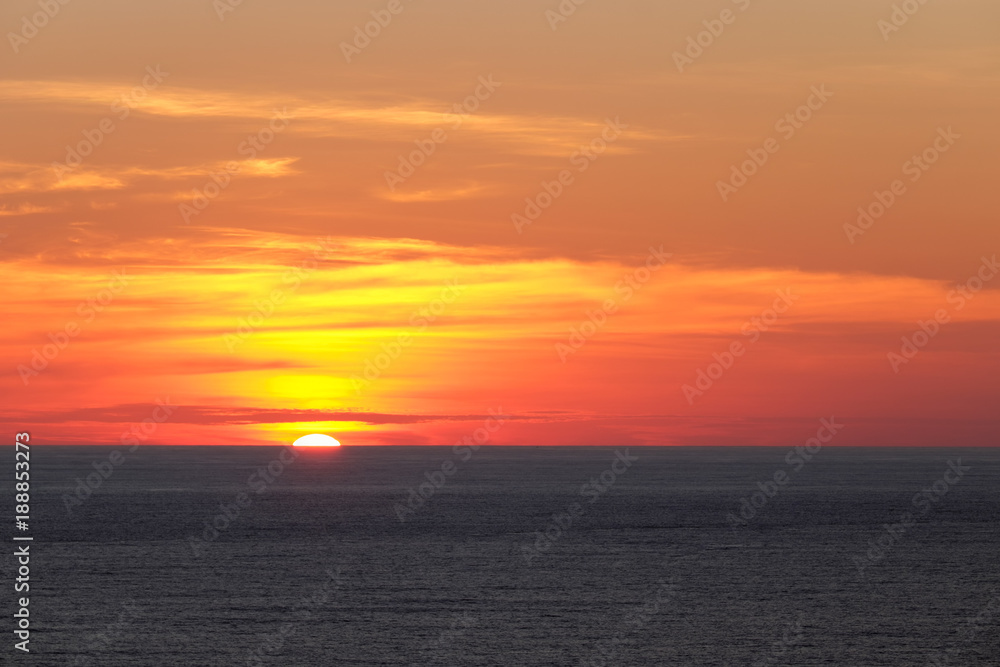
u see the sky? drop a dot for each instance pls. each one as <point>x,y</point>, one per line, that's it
<point>629,223</point>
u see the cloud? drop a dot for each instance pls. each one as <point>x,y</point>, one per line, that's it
<point>441,194</point>
<point>525,134</point>
<point>219,415</point>
<point>46,178</point>
<point>24,209</point>
<point>43,178</point>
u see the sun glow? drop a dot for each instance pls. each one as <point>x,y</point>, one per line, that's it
<point>316,440</point>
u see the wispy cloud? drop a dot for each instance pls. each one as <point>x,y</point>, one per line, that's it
<point>530,133</point>
<point>24,209</point>
<point>45,178</point>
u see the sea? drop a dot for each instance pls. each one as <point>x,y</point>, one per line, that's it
<point>584,556</point>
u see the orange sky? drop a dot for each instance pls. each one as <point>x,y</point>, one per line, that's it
<point>387,249</point>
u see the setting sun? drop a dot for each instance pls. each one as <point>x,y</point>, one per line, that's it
<point>316,440</point>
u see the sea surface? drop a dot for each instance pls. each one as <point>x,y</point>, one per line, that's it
<point>517,556</point>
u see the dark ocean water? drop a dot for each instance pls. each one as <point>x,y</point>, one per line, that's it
<point>646,570</point>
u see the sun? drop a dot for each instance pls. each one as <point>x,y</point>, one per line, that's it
<point>316,440</point>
